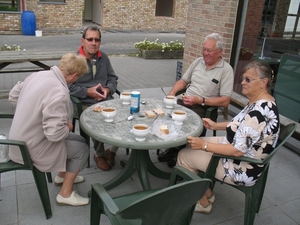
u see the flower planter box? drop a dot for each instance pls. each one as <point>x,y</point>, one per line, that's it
<point>157,54</point>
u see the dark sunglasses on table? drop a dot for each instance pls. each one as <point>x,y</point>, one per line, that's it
<point>248,80</point>
<point>92,39</point>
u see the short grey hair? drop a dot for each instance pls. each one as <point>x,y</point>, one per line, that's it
<point>218,38</point>
<point>93,28</point>
<point>262,69</point>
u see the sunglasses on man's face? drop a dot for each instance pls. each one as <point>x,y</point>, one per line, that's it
<point>92,39</point>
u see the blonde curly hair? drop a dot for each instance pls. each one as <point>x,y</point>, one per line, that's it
<point>72,63</point>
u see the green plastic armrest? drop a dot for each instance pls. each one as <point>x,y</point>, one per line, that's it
<point>23,149</point>
<point>78,106</point>
<point>182,172</point>
<point>118,92</point>
<point>106,198</point>
<point>6,115</point>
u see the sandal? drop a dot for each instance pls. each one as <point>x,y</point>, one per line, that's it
<point>212,199</point>
<point>201,209</point>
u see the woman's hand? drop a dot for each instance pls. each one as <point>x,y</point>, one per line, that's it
<point>70,125</point>
<point>208,123</point>
<point>196,143</point>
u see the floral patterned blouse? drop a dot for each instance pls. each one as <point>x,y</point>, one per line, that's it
<point>254,131</point>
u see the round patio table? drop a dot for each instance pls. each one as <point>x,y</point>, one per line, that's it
<point>118,134</point>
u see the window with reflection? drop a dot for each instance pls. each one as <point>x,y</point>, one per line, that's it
<point>271,29</point>
<point>10,6</point>
<point>271,33</point>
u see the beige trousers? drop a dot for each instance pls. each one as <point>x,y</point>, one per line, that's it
<point>198,160</point>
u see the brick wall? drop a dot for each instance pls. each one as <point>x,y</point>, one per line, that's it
<point>281,11</point>
<point>205,17</point>
<point>119,15</point>
<point>252,26</point>
<point>140,15</point>
<point>51,18</point>
<point>10,23</point>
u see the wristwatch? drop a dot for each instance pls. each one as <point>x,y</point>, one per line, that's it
<point>205,146</point>
<point>203,102</point>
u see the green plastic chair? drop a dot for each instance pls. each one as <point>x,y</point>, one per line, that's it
<point>39,177</point>
<point>174,204</point>
<point>253,194</point>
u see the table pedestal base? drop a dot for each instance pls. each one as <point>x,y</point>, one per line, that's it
<point>139,161</point>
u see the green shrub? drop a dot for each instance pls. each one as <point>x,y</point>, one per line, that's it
<point>156,45</point>
<point>11,48</point>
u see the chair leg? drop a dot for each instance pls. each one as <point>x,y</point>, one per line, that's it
<point>95,212</point>
<point>262,188</point>
<point>203,132</point>
<point>49,177</point>
<point>225,113</point>
<point>89,162</point>
<point>41,184</point>
<point>250,208</point>
<point>74,124</point>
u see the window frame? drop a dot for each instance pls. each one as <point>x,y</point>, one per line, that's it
<point>18,6</point>
<point>161,10</point>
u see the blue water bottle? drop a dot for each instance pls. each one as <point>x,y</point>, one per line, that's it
<point>135,102</point>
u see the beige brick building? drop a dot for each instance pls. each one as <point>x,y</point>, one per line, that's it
<point>109,14</point>
<point>51,18</point>
<point>145,15</point>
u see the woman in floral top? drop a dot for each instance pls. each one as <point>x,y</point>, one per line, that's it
<point>252,133</point>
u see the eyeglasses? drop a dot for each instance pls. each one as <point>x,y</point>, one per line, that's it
<point>248,80</point>
<point>208,50</point>
<point>93,39</point>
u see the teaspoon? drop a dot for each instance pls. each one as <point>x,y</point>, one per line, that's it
<point>163,91</point>
<point>128,118</point>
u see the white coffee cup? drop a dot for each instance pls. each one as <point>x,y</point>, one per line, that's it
<point>170,101</point>
<point>109,113</point>
<point>140,131</point>
<point>125,96</point>
<point>179,116</point>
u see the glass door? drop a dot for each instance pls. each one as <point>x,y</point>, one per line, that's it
<point>271,28</point>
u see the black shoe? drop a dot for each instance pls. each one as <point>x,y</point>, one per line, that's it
<point>167,155</point>
<point>173,161</point>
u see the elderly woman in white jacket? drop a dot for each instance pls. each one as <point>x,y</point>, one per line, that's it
<point>43,120</point>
